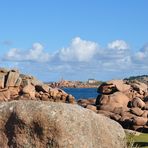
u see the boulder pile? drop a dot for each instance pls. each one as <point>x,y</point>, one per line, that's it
<point>124,102</point>
<point>16,86</point>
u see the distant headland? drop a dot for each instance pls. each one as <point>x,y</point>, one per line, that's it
<point>90,83</point>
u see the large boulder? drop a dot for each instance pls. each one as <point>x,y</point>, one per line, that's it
<point>117,99</point>
<point>43,124</point>
<point>112,86</point>
<point>12,78</point>
<point>120,85</point>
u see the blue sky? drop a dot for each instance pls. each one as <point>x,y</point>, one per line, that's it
<point>75,39</point>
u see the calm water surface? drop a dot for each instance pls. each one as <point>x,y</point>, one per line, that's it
<point>82,93</point>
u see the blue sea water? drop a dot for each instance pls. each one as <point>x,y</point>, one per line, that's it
<point>82,93</point>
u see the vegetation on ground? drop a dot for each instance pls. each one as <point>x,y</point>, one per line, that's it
<point>137,141</point>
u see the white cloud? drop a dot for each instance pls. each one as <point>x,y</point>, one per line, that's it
<point>81,59</point>
<point>141,57</point>
<point>118,44</point>
<point>79,50</point>
<point>36,53</point>
<point>13,53</point>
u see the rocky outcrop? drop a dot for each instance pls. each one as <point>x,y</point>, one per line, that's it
<point>124,102</point>
<point>56,125</point>
<point>16,86</point>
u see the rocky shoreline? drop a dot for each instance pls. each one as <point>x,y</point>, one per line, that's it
<point>35,114</point>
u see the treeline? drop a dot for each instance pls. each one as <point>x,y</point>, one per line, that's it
<point>141,78</point>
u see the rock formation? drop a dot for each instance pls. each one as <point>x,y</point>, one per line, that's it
<point>125,102</point>
<point>16,86</point>
<point>56,125</point>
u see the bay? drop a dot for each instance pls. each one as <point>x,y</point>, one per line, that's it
<point>82,93</point>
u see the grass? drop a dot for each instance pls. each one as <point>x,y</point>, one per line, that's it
<point>141,140</point>
<point>137,141</point>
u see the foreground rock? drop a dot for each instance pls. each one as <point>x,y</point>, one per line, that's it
<point>43,124</point>
<point>14,86</point>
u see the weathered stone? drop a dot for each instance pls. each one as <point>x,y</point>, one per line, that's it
<point>14,92</point>
<point>70,99</point>
<point>37,95</point>
<point>105,88</point>
<point>113,86</point>
<point>137,102</point>
<point>137,111</point>
<point>44,97</point>
<point>140,87</point>
<point>140,121</point>
<point>105,113</point>
<point>92,107</point>
<point>43,124</point>
<point>116,117</point>
<point>120,85</point>
<point>12,78</point>
<point>117,99</point>
<point>127,115</point>
<point>35,81</point>
<point>3,70</point>
<point>120,110</point>
<point>43,88</point>
<point>29,89</point>
<point>145,114</point>
<point>107,107</point>
<point>84,102</point>
<point>146,106</point>
<point>5,95</point>
<point>92,101</point>
<point>18,82</point>
<point>2,80</point>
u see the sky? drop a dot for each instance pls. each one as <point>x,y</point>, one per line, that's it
<point>75,39</point>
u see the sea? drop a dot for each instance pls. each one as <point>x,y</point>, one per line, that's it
<point>82,93</point>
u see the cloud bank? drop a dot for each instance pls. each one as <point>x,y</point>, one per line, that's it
<point>82,59</point>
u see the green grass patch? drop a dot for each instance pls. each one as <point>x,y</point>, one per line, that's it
<point>140,141</point>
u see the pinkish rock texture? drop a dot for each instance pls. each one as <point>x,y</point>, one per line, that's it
<point>16,86</point>
<point>125,102</point>
<point>56,125</point>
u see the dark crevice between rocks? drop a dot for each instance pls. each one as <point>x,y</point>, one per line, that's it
<point>6,78</point>
<point>12,126</point>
